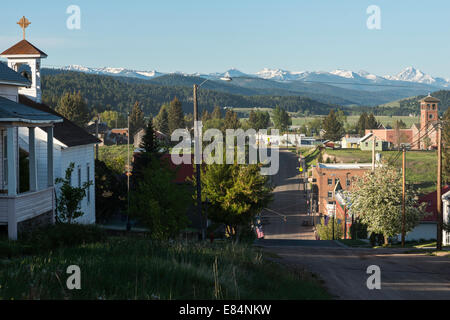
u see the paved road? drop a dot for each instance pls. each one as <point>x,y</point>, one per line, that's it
<point>287,212</point>
<point>403,276</point>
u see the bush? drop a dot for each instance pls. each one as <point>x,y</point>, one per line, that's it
<point>326,231</point>
<point>63,235</point>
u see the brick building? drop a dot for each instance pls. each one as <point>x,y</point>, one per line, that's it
<point>327,179</point>
<point>421,135</point>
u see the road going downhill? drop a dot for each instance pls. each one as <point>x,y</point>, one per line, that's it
<point>284,217</point>
<point>344,270</point>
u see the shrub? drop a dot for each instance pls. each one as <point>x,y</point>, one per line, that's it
<point>326,231</point>
<point>63,235</point>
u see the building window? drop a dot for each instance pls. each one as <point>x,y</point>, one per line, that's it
<point>5,160</point>
<point>330,194</point>
<point>367,144</point>
<point>431,116</point>
<point>88,179</point>
<point>330,182</point>
<point>79,177</point>
<point>349,183</point>
<point>434,107</point>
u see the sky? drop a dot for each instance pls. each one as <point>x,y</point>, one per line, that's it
<point>213,36</point>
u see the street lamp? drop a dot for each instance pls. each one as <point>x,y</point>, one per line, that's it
<point>197,153</point>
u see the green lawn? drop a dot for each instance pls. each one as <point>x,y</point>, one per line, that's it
<point>421,166</point>
<point>115,156</point>
<point>136,268</point>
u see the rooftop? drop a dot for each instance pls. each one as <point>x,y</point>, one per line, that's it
<point>344,166</point>
<point>11,111</point>
<point>23,48</point>
<point>11,77</point>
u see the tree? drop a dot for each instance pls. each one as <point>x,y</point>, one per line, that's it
<point>159,203</point>
<point>259,120</point>
<point>137,120</point>
<point>189,120</point>
<point>206,116</point>
<point>69,200</point>
<point>113,119</point>
<point>372,122</point>
<point>446,145</point>
<point>110,191</point>
<point>217,113</point>
<point>231,120</point>
<point>325,230</point>
<point>362,124</point>
<point>161,121</point>
<point>341,117</point>
<point>175,116</point>
<point>73,107</point>
<point>334,129</point>
<point>376,199</point>
<point>236,194</point>
<point>281,119</point>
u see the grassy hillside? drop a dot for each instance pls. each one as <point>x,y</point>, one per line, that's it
<point>421,166</point>
<point>136,268</point>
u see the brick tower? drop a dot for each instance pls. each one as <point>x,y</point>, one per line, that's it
<point>429,115</point>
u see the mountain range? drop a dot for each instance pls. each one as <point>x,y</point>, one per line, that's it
<point>340,87</point>
<point>409,74</point>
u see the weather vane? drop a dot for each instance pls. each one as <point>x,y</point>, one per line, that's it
<point>24,23</point>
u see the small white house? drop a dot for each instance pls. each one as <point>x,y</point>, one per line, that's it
<point>51,141</point>
<point>446,212</point>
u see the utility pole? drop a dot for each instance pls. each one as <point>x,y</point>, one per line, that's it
<point>333,224</point>
<point>403,196</point>
<point>373,152</point>
<point>96,135</point>
<point>440,219</point>
<point>128,174</point>
<point>197,165</point>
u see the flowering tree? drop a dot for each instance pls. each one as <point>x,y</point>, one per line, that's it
<point>376,198</point>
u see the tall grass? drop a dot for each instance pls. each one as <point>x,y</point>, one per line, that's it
<point>132,268</point>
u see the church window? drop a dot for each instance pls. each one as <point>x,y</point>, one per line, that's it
<point>431,116</point>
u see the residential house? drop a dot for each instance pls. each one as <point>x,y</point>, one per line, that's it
<point>446,213</point>
<point>366,143</point>
<point>50,141</point>
<point>350,142</point>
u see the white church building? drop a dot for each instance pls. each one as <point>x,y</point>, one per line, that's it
<point>50,142</point>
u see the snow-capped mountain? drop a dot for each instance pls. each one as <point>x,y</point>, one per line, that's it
<point>408,75</point>
<point>412,74</point>
<point>114,72</point>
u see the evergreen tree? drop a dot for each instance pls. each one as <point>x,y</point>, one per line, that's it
<point>161,121</point>
<point>206,116</point>
<point>281,119</point>
<point>175,116</point>
<point>259,120</point>
<point>217,113</point>
<point>372,123</point>
<point>231,120</point>
<point>334,129</point>
<point>362,124</point>
<point>137,120</point>
<point>73,107</point>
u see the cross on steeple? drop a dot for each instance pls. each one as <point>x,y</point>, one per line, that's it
<point>24,23</point>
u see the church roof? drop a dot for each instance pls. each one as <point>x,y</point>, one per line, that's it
<point>23,48</point>
<point>429,98</point>
<point>11,77</point>
<point>11,111</point>
<point>66,132</point>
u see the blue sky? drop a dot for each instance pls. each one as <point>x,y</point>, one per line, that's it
<point>208,36</point>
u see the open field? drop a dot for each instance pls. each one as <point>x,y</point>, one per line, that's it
<point>421,166</point>
<point>385,120</point>
<point>138,268</point>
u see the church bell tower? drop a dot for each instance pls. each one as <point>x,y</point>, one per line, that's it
<point>25,58</point>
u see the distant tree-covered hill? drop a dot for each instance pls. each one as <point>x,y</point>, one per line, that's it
<point>116,93</point>
<point>412,105</point>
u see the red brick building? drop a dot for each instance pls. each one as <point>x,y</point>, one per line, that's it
<point>329,178</point>
<point>421,135</point>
